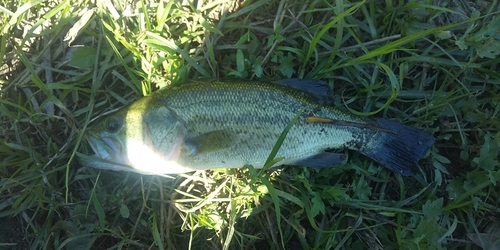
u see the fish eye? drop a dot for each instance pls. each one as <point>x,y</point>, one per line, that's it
<point>114,125</point>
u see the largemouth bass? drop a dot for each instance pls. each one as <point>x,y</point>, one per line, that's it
<point>227,124</point>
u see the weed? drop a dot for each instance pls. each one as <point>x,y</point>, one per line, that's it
<point>432,65</point>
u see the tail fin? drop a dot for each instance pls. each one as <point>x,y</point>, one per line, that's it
<point>399,149</point>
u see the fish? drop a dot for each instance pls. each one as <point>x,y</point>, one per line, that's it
<point>207,124</point>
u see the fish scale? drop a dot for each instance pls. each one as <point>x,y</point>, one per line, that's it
<point>245,109</point>
<point>229,124</point>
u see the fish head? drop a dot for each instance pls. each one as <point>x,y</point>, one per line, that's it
<point>141,137</point>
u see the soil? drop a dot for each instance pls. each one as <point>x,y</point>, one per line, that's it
<point>13,235</point>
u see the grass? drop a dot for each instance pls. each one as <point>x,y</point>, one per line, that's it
<point>430,66</point>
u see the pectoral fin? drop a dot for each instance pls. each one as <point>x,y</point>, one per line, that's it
<point>323,160</point>
<point>212,141</point>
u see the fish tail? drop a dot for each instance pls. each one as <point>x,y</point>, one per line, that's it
<point>398,147</point>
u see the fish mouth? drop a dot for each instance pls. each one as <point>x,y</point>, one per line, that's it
<point>105,148</point>
<point>107,154</point>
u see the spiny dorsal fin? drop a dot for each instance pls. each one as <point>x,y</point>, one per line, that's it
<point>315,87</point>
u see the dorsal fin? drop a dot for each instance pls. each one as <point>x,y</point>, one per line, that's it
<point>315,87</point>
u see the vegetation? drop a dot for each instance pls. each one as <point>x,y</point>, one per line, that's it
<point>429,64</point>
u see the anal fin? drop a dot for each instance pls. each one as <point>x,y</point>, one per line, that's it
<point>323,160</point>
